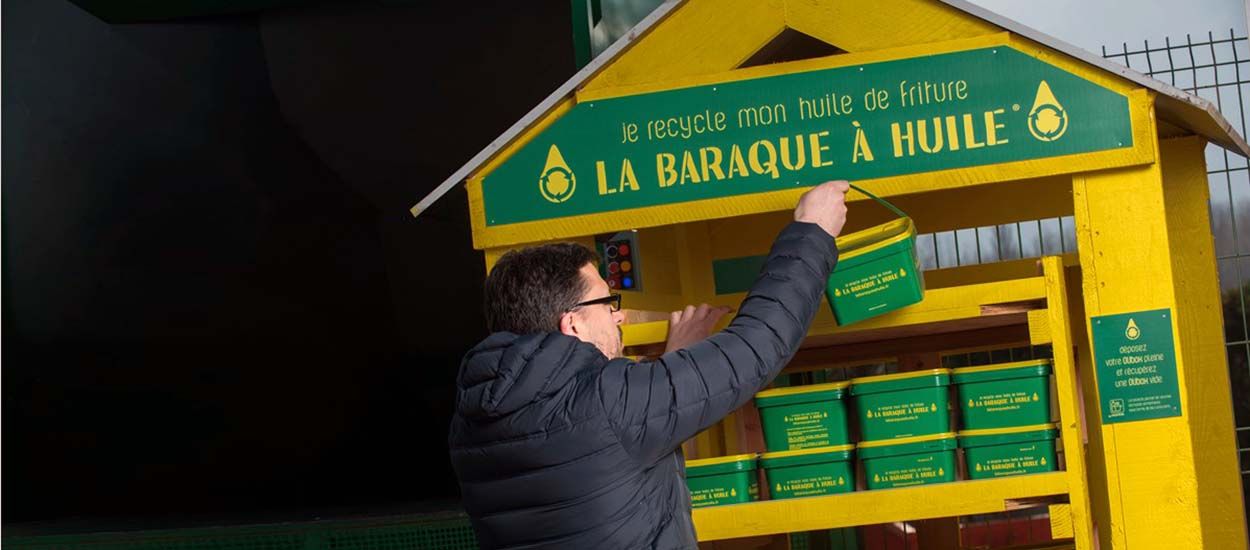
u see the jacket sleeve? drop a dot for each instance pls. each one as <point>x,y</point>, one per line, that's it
<point>656,405</point>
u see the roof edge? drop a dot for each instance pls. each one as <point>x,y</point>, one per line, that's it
<point>1230,139</point>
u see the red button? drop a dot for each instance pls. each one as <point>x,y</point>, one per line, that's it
<point>613,267</point>
<point>623,250</point>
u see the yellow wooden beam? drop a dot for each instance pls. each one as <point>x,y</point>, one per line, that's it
<point>874,507</point>
<point>1071,424</point>
<point>1145,243</point>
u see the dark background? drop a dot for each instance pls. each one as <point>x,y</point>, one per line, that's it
<point>215,303</point>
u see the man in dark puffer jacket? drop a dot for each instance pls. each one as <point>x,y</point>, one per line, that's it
<point>560,442</point>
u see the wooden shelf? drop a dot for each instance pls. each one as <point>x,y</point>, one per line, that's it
<point>941,500</point>
<point>944,310</point>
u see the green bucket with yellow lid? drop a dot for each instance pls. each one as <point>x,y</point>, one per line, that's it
<point>906,404</point>
<point>877,270</point>
<point>909,461</point>
<point>1004,395</point>
<point>1002,452</point>
<point>809,472</point>
<point>722,480</point>
<point>802,417</point>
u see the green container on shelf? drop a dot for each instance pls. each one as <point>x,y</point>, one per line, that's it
<point>1004,452</point>
<point>902,405</point>
<point>909,461</point>
<point>809,472</point>
<point>722,480</point>
<point>802,417</point>
<point>1004,395</point>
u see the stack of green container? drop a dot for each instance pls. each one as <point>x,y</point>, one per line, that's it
<point>1006,416</point>
<point>905,424</point>
<point>805,431</point>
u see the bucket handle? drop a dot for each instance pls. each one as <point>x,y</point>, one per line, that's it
<point>880,200</point>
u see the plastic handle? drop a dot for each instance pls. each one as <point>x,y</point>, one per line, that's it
<point>883,202</point>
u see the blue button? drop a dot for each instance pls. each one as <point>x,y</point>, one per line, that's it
<point>627,282</point>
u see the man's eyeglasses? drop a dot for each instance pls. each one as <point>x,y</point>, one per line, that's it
<point>612,299</point>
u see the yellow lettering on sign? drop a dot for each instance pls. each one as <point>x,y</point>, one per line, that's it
<point>665,169</point>
<point>817,149</point>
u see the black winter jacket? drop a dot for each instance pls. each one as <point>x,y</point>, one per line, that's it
<point>556,446</point>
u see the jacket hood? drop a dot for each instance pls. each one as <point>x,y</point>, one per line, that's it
<point>506,371</point>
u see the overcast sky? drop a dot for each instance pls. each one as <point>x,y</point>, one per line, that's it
<point>1092,24</point>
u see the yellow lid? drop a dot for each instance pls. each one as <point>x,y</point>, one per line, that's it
<point>1009,430</point>
<point>1000,366</point>
<point>899,376</point>
<point>809,451</point>
<point>863,242</point>
<point>905,440</point>
<point>810,388</point>
<point>719,460</point>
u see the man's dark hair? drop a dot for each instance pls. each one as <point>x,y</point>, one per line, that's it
<point>529,289</point>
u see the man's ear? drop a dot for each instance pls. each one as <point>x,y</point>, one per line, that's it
<point>569,325</point>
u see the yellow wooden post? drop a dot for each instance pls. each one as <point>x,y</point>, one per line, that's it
<point>1145,244</point>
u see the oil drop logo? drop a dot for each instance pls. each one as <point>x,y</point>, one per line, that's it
<point>1131,331</point>
<point>1048,121</point>
<point>557,182</point>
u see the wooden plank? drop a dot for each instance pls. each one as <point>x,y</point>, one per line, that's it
<point>1040,331</point>
<point>1171,482</point>
<point>873,507</point>
<point>1064,367</point>
<point>1061,521</point>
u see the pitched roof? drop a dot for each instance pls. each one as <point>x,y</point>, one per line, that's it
<point>1173,105</point>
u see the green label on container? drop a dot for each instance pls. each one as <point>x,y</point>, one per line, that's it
<point>916,475</point>
<point>810,486</point>
<point>712,496</point>
<point>1135,354</point>
<point>902,412</point>
<point>1003,402</point>
<point>865,121</point>
<point>808,429</point>
<point>1024,460</point>
<point>870,284</point>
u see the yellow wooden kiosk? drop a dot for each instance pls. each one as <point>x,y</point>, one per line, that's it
<point>685,146</point>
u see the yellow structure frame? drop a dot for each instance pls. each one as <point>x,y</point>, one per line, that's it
<point>1166,483</point>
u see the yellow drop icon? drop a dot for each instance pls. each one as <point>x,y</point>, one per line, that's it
<point>1131,331</point>
<point>902,273</point>
<point>557,182</point>
<point>733,492</point>
<point>1048,120</point>
<point>1035,398</point>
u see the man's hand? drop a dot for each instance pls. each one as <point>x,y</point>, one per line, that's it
<point>692,324</point>
<point>824,205</point>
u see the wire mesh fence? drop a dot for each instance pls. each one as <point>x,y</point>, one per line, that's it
<point>1217,68</point>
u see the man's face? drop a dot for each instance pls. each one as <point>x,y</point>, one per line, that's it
<point>597,324</point>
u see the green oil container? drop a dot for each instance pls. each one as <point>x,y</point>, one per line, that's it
<point>1009,451</point>
<point>803,417</point>
<point>902,405</point>
<point>809,472</point>
<point>877,271</point>
<point>1004,395</point>
<point>722,480</point>
<point>909,461</point>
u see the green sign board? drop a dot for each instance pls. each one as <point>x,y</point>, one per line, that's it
<point>1135,362</point>
<point>907,116</point>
